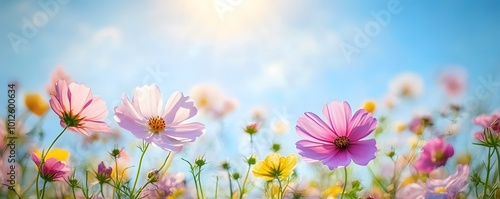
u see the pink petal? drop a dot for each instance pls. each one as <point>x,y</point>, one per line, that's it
<point>62,94</point>
<point>168,144</point>
<point>337,158</point>
<point>313,151</point>
<point>337,115</point>
<point>178,109</point>
<point>95,110</point>
<point>185,132</point>
<point>78,130</point>
<point>55,104</point>
<point>361,125</point>
<point>362,151</point>
<point>96,126</point>
<point>311,127</point>
<point>129,110</point>
<point>147,101</point>
<point>125,121</point>
<point>79,98</point>
<point>35,159</point>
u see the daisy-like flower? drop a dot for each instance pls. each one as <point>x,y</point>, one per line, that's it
<point>435,154</point>
<point>275,166</point>
<point>79,109</point>
<point>447,188</point>
<point>52,169</point>
<point>146,118</point>
<point>338,140</point>
<point>407,85</point>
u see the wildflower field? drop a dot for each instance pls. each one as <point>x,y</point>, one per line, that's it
<point>249,99</point>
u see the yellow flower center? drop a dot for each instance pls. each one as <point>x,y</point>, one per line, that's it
<point>440,189</point>
<point>341,142</point>
<point>438,156</point>
<point>156,124</point>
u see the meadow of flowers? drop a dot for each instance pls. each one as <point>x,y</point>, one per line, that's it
<point>344,151</point>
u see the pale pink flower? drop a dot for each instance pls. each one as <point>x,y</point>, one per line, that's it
<point>52,169</point>
<point>454,81</point>
<point>146,118</point>
<point>167,186</point>
<point>79,109</point>
<point>57,74</point>
<point>435,153</point>
<point>338,140</point>
<point>447,188</point>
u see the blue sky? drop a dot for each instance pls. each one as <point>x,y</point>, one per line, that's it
<point>284,55</point>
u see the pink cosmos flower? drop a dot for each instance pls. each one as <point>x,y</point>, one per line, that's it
<point>52,169</point>
<point>447,188</point>
<point>103,173</point>
<point>417,124</point>
<point>58,74</point>
<point>338,140</point>
<point>486,121</point>
<point>454,81</point>
<point>167,186</point>
<point>145,117</point>
<point>79,109</point>
<point>435,154</point>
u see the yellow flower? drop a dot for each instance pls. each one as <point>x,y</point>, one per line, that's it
<point>400,127</point>
<point>332,192</point>
<point>370,106</point>
<point>464,158</point>
<point>36,104</point>
<point>275,166</point>
<point>57,153</point>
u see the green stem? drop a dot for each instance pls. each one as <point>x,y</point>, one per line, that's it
<point>117,181</point>
<point>139,168</point>
<point>280,192</point>
<point>195,183</point>
<point>488,168</point>
<point>73,191</point>
<point>498,159</point>
<point>102,193</point>
<point>345,183</point>
<point>230,184</point>
<point>216,187</point>
<point>43,188</point>
<point>52,144</point>
<point>242,192</point>
<point>36,184</point>
<point>165,162</point>
<point>199,182</point>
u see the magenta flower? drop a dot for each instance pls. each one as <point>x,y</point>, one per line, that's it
<point>435,154</point>
<point>338,140</point>
<point>79,109</point>
<point>447,188</point>
<point>417,124</point>
<point>52,169</point>
<point>487,121</point>
<point>146,119</point>
<point>103,173</point>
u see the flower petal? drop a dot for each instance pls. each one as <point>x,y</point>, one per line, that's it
<point>178,109</point>
<point>185,132</point>
<point>361,125</point>
<point>337,115</point>
<point>362,151</point>
<point>311,127</point>
<point>337,158</point>
<point>79,97</point>
<point>147,101</point>
<point>313,151</point>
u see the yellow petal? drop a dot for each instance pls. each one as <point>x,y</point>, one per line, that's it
<point>36,104</point>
